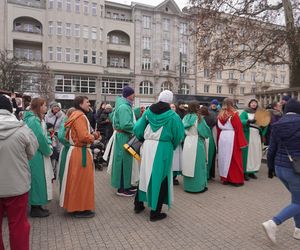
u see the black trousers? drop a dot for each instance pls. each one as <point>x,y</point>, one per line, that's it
<point>163,194</point>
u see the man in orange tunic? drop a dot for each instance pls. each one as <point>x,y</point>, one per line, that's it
<point>77,194</point>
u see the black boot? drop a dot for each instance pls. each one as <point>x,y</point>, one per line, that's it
<point>138,205</point>
<point>37,212</point>
<point>253,176</point>
<point>246,177</point>
<point>155,215</point>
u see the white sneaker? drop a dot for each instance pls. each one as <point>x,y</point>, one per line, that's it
<point>297,233</point>
<point>271,228</point>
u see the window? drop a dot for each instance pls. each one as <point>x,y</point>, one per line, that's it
<point>18,51</point>
<point>94,54</point>
<point>68,5</point>
<point>101,34</point>
<point>85,56</point>
<point>50,28</point>
<point>184,89</point>
<point>58,54</point>
<point>70,83</point>
<point>218,44</point>
<point>146,42</point>
<point>113,86</point>
<point>28,27</point>
<point>59,4</point>
<point>183,67</point>
<point>85,32</point>
<point>231,90</point>
<point>68,29</point>
<point>77,30</point>
<point>282,78</point>
<point>59,29</point>
<point>86,7</point>
<point>146,88</point>
<point>183,48</point>
<point>166,64</point>
<point>273,78</point>
<point>242,77</point>
<point>146,22</point>
<point>206,73</point>
<point>219,89</point>
<point>253,76</point>
<point>115,39</point>
<point>68,55</point>
<point>94,9</point>
<point>77,6</point>
<point>166,86</point>
<point>166,24</point>
<point>116,16</point>
<point>38,55</point>
<point>183,28</point>
<point>242,90</point>
<point>101,10</point>
<point>51,4</point>
<point>166,45</point>
<point>100,58</point>
<point>206,88</point>
<point>219,74</point>
<point>253,90</point>
<point>50,53</point>
<point>94,33</point>
<point>146,63</point>
<point>231,74</point>
<point>77,55</point>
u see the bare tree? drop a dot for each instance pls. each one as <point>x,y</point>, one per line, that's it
<point>44,83</point>
<point>11,76</point>
<point>239,34</point>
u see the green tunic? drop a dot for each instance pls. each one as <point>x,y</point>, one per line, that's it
<point>246,129</point>
<point>64,151</point>
<point>122,160</point>
<point>199,182</point>
<point>38,190</point>
<point>171,135</point>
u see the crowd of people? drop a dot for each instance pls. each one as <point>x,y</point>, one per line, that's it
<point>177,139</point>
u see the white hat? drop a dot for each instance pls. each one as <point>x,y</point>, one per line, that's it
<point>166,96</point>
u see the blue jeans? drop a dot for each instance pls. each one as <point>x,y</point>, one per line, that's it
<point>292,182</point>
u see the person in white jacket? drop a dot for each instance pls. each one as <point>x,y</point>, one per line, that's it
<point>17,145</point>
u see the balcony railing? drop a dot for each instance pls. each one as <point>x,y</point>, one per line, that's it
<point>30,3</point>
<point>34,31</point>
<point>119,19</point>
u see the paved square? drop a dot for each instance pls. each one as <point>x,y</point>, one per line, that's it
<point>224,217</point>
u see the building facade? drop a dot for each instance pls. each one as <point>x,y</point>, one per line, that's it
<point>96,47</point>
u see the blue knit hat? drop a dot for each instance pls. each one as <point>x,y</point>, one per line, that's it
<point>214,101</point>
<point>286,98</point>
<point>127,91</point>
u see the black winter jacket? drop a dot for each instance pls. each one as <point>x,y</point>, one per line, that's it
<point>285,132</point>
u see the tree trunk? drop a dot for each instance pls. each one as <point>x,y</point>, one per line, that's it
<point>293,44</point>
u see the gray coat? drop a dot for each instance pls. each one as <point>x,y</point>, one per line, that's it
<point>17,145</point>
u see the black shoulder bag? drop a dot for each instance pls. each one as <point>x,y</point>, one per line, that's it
<point>295,161</point>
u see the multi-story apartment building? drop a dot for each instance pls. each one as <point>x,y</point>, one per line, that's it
<point>96,47</point>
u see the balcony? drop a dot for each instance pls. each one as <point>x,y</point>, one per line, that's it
<point>27,29</point>
<point>231,82</point>
<point>118,47</point>
<point>26,36</point>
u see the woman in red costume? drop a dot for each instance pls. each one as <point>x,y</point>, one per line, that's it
<point>231,140</point>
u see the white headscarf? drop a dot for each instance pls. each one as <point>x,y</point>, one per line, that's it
<point>166,96</point>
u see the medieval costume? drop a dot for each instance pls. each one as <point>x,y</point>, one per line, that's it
<point>252,155</point>
<point>231,140</point>
<point>161,129</point>
<point>40,165</point>
<point>77,189</point>
<point>194,168</point>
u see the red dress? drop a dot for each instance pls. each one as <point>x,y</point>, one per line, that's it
<point>236,171</point>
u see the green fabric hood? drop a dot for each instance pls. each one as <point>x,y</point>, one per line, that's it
<point>189,120</point>
<point>158,120</point>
